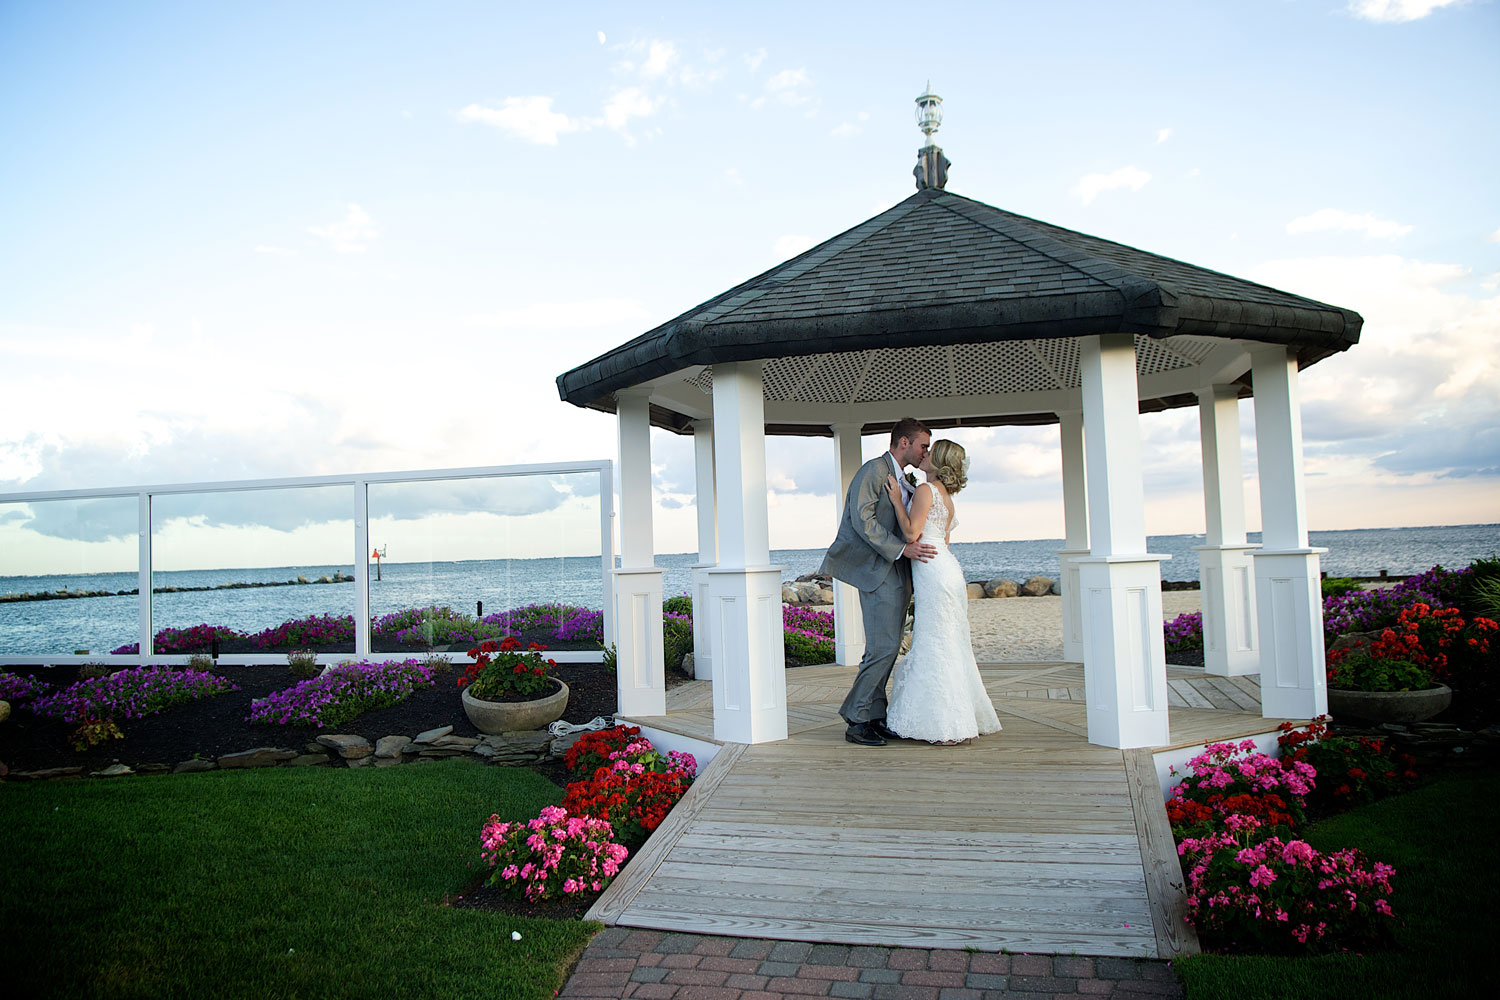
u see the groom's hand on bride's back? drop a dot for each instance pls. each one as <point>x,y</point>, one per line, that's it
<point>919,550</point>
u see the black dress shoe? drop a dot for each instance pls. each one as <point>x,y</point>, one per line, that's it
<point>864,734</point>
<point>881,729</point>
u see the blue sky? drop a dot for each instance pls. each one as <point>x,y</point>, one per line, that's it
<point>296,239</point>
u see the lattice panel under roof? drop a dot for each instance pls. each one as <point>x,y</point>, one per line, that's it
<point>906,373</point>
<point>980,371</point>
<point>998,368</point>
<point>834,379</point>
<point>1153,356</point>
<point>784,379</point>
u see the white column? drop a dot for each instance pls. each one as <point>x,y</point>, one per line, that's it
<point>143,580</point>
<point>1226,581</point>
<point>1076,529</point>
<point>848,624</point>
<point>708,548</point>
<point>361,569</point>
<point>1124,661</point>
<point>640,677</point>
<point>745,591</point>
<point>1288,592</point>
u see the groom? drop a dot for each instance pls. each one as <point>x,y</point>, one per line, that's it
<point>870,554</point>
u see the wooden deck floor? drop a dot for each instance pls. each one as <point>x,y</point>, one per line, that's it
<point>1029,840</point>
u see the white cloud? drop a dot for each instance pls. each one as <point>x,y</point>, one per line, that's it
<point>851,128</point>
<point>632,102</point>
<point>529,118</point>
<point>601,38</point>
<point>1396,11</point>
<point>789,246</point>
<point>661,56</point>
<point>1092,185</point>
<point>754,59</point>
<point>1422,382</point>
<point>1162,135</point>
<point>562,315</point>
<point>353,234</point>
<point>1332,218</point>
<point>263,248</point>
<point>788,85</point>
<point>1194,172</point>
<point>1494,237</point>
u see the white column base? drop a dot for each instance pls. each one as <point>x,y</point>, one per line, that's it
<point>1072,605</point>
<point>640,677</point>
<point>1226,582</point>
<point>749,654</point>
<point>1289,606</point>
<point>848,625</point>
<point>1124,662</point>
<point>703,648</point>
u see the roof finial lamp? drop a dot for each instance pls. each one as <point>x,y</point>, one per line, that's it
<point>932,166</point>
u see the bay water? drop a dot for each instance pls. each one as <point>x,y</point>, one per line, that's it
<point>100,624</point>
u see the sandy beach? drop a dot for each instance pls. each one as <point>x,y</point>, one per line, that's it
<point>1024,629</point>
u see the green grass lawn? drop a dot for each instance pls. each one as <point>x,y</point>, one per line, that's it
<point>1440,839</point>
<point>269,883</point>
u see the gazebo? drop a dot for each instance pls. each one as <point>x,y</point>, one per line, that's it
<point>962,314</point>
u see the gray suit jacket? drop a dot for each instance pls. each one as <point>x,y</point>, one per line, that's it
<point>868,546</point>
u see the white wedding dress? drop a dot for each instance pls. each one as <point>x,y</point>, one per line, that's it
<point>937,694</point>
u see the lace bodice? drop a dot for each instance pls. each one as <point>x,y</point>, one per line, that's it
<point>937,526</point>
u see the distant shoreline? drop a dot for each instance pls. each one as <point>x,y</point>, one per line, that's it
<point>69,595</point>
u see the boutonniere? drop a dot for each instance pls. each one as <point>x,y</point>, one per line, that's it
<point>911,480</point>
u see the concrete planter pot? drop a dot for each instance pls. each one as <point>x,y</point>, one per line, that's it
<point>493,717</point>
<point>1389,706</point>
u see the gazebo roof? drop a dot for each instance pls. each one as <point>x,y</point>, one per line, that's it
<point>959,313</point>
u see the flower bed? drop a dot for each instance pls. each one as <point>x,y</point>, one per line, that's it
<point>193,639</point>
<point>314,630</point>
<point>1352,770</point>
<point>552,854</point>
<point>1368,610</point>
<point>1250,892</point>
<point>129,694</point>
<point>1251,886</point>
<point>16,689</point>
<point>1228,779</point>
<point>627,787</point>
<point>808,635</point>
<point>1184,632</point>
<point>341,694</point>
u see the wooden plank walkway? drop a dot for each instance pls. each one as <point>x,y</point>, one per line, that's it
<point>1031,840</point>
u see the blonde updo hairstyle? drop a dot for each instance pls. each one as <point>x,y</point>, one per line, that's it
<point>950,465</point>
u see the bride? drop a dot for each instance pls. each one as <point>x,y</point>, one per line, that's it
<point>938,695</point>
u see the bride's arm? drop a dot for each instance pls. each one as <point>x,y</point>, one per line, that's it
<point>893,490</point>
<point>908,523</point>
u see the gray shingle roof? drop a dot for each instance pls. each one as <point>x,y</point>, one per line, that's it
<point>941,269</point>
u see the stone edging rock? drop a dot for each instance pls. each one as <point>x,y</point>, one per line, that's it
<point>330,749</point>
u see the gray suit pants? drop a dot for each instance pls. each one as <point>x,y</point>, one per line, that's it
<point>884,612</point>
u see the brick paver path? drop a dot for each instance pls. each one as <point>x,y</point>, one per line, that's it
<point>651,965</point>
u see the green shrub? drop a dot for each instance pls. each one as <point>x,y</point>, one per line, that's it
<point>803,649</point>
<point>1359,671</point>
<point>303,664</point>
<point>94,671</point>
<point>677,639</point>
<point>682,604</point>
<point>1338,586</point>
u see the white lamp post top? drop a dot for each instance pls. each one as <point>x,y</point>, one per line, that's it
<point>929,113</point>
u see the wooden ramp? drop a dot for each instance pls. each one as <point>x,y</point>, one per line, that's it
<point>1031,840</point>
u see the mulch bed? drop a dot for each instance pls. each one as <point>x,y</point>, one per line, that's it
<point>216,726</point>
